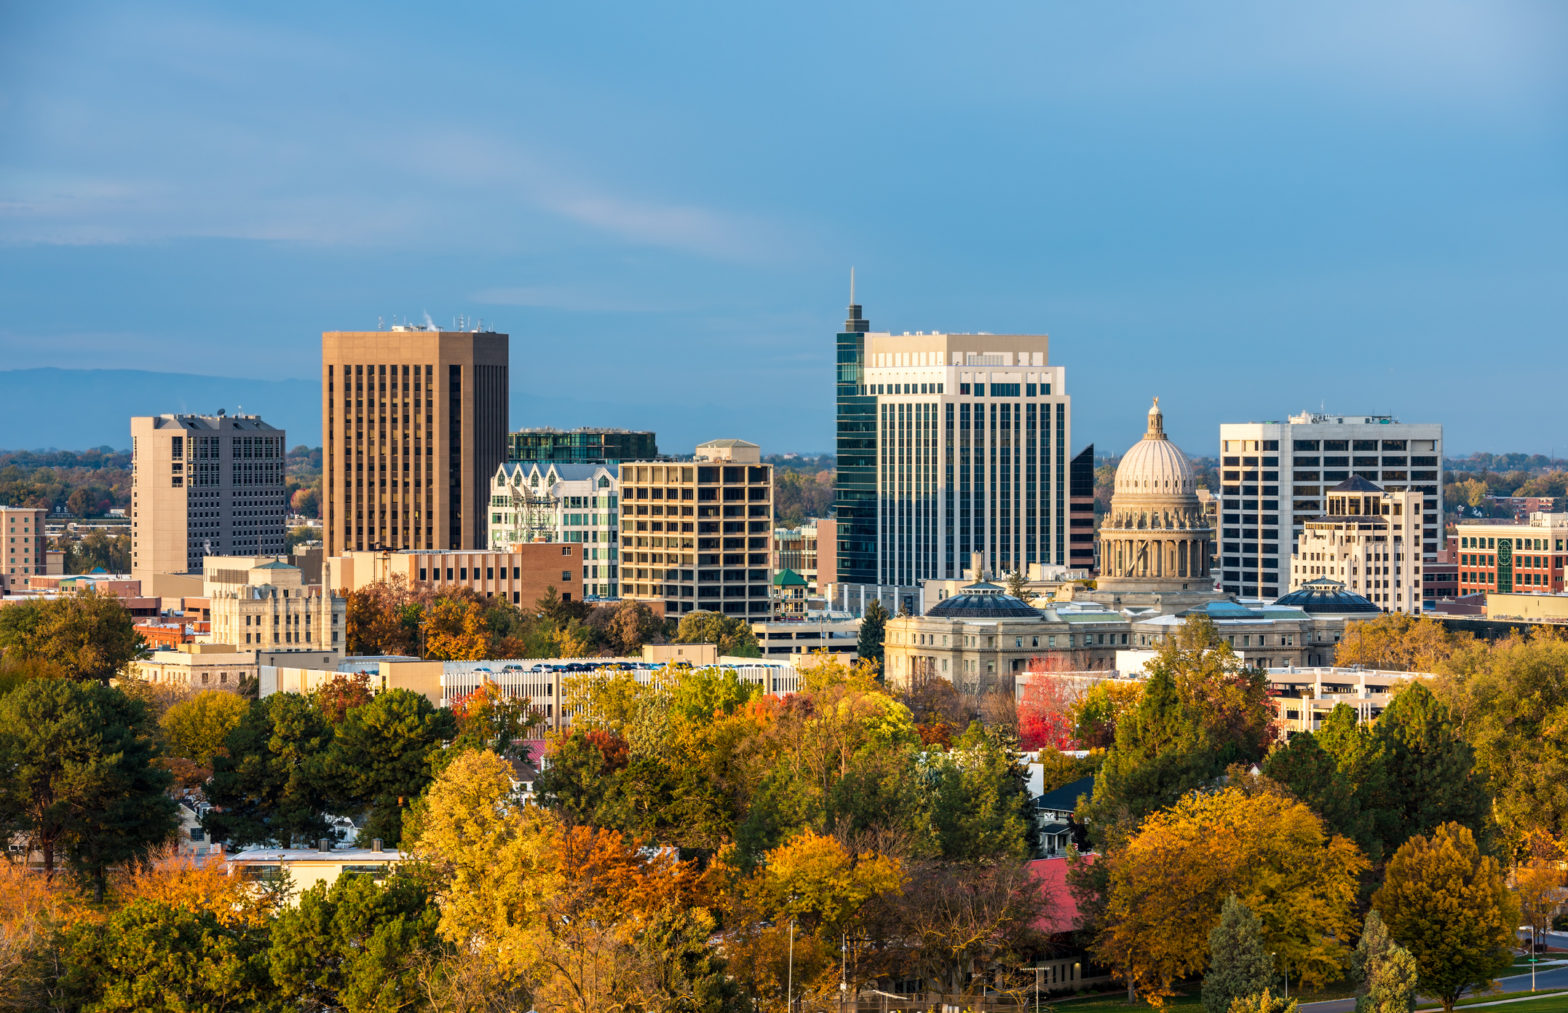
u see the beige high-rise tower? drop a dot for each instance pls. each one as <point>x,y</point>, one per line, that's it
<point>413,425</point>
<point>204,485</point>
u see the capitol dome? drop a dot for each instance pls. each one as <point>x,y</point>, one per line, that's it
<point>1154,465</point>
<point>1155,537</point>
<point>983,600</point>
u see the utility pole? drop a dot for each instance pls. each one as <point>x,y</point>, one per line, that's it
<point>789,989</point>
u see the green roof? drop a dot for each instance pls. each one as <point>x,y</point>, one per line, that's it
<point>275,565</point>
<point>788,578</point>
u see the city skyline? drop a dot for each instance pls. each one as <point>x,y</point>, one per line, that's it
<point>1221,209</point>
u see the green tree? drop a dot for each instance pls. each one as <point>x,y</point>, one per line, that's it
<point>873,629</point>
<point>196,728</point>
<point>631,625</point>
<point>1510,702</point>
<point>1431,770</point>
<point>1384,971</point>
<point>1262,1002</point>
<point>157,958</point>
<point>89,635</point>
<point>1238,963</point>
<point>580,776</point>
<point>1304,767</point>
<point>357,945</point>
<point>980,809</point>
<point>1447,904</point>
<point>1360,760</point>
<point>79,776</point>
<point>732,634</point>
<point>1017,584</point>
<point>381,757</point>
<point>269,783</point>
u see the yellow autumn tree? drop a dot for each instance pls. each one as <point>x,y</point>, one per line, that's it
<point>804,893</point>
<point>579,916</point>
<point>455,631</point>
<point>1169,882</point>
<point>1398,642</point>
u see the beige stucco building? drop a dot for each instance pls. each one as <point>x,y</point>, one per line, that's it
<point>263,604</point>
<point>413,428</point>
<point>204,485</point>
<point>1368,540</point>
<point>198,666</point>
<point>697,535</point>
<point>23,555</point>
<point>521,574</point>
<point>983,637</point>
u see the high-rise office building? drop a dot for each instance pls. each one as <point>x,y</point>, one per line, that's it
<point>1529,556</point>
<point>1368,540</point>
<point>948,445</point>
<point>1080,510</point>
<point>581,446</point>
<point>204,485</point>
<point>413,429</point>
<point>697,534</point>
<point>1274,477</point>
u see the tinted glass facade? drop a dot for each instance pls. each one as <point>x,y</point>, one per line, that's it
<point>855,491</point>
<point>581,446</point>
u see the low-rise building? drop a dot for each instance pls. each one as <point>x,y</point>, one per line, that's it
<point>983,637</point>
<point>543,681</point>
<point>1367,539</point>
<point>198,666</point>
<point>1535,608</point>
<point>260,603</point>
<point>837,633</point>
<point>521,574</point>
<point>551,502</point>
<point>1529,557</point>
<point>303,868</point>
<point>789,595</point>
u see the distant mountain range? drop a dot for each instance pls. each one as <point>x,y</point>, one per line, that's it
<point>74,409</point>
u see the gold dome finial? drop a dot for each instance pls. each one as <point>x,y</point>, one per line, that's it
<point>1156,422</point>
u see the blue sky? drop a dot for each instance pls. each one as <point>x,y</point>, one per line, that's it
<point>1249,209</point>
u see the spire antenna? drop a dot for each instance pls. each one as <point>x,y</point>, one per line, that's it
<point>852,286</point>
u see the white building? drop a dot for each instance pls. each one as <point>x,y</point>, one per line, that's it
<point>1368,540</point>
<point>542,680</point>
<point>1274,477</point>
<point>550,502</point>
<point>262,603</point>
<point>949,444</point>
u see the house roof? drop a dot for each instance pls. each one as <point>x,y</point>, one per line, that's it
<point>1065,798</point>
<point>1061,907</point>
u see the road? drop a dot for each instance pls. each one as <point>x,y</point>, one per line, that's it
<point>1551,977</point>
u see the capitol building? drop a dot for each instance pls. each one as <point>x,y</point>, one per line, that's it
<point>1155,543</point>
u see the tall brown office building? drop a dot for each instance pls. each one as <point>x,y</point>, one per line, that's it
<point>413,427</point>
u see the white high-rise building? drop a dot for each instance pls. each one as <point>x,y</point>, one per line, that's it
<point>1368,540</point>
<point>549,502</point>
<point>1274,477</point>
<point>972,437</point>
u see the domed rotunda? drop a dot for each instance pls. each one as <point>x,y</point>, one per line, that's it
<point>1155,538</point>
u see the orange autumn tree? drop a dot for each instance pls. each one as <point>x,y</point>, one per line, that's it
<point>1168,883</point>
<point>455,630</point>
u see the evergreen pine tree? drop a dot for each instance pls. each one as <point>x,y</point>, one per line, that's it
<point>1238,965</point>
<point>872,627</point>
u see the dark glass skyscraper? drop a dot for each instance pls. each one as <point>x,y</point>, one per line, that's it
<point>855,490</point>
